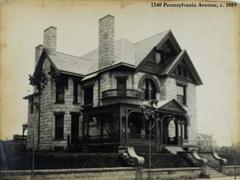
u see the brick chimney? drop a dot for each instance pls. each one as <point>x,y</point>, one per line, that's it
<point>38,52</point>
<point>50,39</point>
<point>106,42</point>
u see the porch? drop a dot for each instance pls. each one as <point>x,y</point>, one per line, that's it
<point>125,125</point>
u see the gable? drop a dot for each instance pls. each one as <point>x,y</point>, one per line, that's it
<point>181,67</point>
<point>173,106</point>
<point>161,54</point>
<point>183,71</point>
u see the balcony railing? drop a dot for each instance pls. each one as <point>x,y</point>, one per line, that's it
<point>130,93</point>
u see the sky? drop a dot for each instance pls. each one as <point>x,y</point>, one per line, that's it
<point>210,36</point>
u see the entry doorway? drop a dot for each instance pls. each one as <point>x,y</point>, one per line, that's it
<point>75,127</point>
<point>170,132</point>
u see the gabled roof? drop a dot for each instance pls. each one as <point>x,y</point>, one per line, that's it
<point>171,105</point>
<point>126,53</point>
<point>123,52</point>
<point>68,63</point>
<point>172,66</point>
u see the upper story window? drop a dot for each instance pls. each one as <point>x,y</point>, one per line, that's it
<point>75,92</point>
<point>121,86</point>
<point>149,90</point>
<point>181,94</point>
<point>60,88</point>
<point>158,57</point>
<point>183,72</point>
<point>59,126</point>
<point>88,95</point>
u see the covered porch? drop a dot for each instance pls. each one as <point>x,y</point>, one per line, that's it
<point>125,125</point>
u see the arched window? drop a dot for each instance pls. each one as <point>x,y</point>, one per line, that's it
<point>149,90</point>
<point>171,129</point>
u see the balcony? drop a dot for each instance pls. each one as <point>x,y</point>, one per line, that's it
<point>122,93</point>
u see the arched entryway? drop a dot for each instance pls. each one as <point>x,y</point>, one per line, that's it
<point>170,131</point>
<point>174,130</point>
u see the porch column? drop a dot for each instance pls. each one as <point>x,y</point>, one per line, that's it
<point>161,131</point>
<point>181,133</point>
<point>157,133</point>
<point>126,127</point>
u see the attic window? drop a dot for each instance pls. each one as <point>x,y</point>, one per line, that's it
<point>183,71</point>
<point>158,57</point>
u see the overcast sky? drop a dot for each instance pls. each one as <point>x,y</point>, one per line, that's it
<point>210,36</point>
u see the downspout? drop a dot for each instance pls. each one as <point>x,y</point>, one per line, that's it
<point>99,90</point>
<point>39,115</point>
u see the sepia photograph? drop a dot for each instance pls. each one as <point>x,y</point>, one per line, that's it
<point>120,89</point>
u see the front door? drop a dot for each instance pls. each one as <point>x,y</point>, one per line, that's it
<point>75,128</point>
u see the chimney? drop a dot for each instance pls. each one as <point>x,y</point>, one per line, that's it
<point>38,52</point>
<point>106,42</point>
<point>50,39</point>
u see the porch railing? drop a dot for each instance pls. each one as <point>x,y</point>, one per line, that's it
<point>96,139</point>
<point>132,93</point>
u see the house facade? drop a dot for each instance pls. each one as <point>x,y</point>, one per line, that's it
<point>96,100</point>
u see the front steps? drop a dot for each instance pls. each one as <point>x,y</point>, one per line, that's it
<point>174,149</point>
<point>212,173</point>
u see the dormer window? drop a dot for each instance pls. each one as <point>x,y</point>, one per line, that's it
<point>158,57</point>
<point>149,90</point>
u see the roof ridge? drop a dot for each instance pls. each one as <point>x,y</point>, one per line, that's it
<point>153,36</point>
<point>79,57</point>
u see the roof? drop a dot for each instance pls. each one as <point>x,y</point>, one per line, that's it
<point>69,63</point>
<point>171,66</point>
<point>126,53</point>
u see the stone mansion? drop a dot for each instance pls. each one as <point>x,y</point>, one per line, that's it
<point>96,100</point>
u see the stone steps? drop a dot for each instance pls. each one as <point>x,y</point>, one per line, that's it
<point>174,149</point>
<point>213,173</point>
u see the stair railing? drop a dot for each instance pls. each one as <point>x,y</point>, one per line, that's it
<point>222,161</point>
<point>202,161</point>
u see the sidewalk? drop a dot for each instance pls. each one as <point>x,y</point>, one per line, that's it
<point>222,178</point>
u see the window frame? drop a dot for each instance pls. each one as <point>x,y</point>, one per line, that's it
<point>75,92</point>
<point>149,94</point>
<point>184,96</point>
<point>59,130</point>
<point>92,95</point>
<point>60,85</point>
<point>121,91</point>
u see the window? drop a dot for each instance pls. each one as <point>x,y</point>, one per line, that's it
<point>181,94</point>
<point>185,134</point>
<point>75,92</point>
<point>158,57</point>
<point>150,90</point>
<point>121,86</point>
<point>88,95</point>
<point>60,86</point>
<point>59,128</point>
<point>183,71</point>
